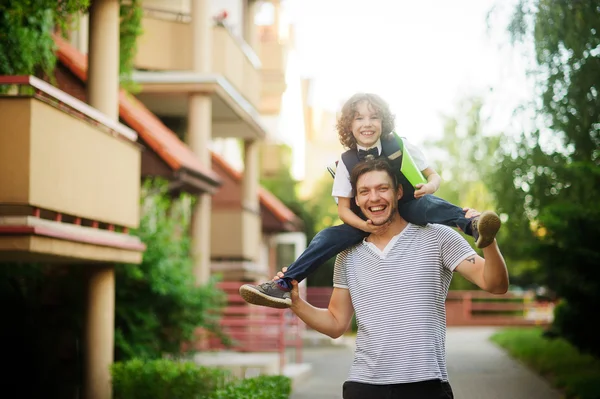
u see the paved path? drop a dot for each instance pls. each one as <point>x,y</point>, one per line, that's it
<point>477,368</point>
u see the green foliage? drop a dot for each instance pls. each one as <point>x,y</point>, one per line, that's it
<point>26,28</point>
<point>262,387</point>
<point>317,212</point>
<point>320,212</point>
<point>165,379</point>
<point>171,379</point>
<point>158,304</point>
<point>555,171</point>
<point>26,44</point>
<point>467,160</point>
<point>577,374</point>
<point>130,28</point>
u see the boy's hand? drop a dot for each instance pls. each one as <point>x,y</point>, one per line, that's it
<point>422,189</point>
<point>371,228</point>
<point>294,293</point>
<point>470,213</point>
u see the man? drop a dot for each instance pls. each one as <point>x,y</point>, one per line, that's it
<point>396,282</point>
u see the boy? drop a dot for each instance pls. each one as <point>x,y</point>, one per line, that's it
<point>366,129</point>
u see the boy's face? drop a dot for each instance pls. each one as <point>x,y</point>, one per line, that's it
<point>366,125</point>
<point>376,197</point>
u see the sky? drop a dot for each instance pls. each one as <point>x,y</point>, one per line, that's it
<point>423,57</point>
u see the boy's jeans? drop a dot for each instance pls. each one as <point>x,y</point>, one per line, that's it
<point>333,240</point>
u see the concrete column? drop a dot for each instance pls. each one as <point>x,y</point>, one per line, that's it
<point>99,332</point>
<point>80,37</point>
<point>198,138</point>
<point>199,135</point>
<point>250,30</point>
<point>201,36</point>
<point>250,182</point>
<point>276,16</point>
<point>103,61</point>
<point>103,94</point>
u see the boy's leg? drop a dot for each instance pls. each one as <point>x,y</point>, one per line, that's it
<point>326,244</point>
<point>432,209</point>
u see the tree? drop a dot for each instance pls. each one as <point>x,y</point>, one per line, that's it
<point>158,304</point>
<point>554,172</point>
<point>27,27</point>
<point>467,158</point>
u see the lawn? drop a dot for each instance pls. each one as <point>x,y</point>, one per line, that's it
<point>575,374</point>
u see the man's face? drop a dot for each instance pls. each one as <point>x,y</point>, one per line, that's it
<point>376,197</point>
<point>366,125</point>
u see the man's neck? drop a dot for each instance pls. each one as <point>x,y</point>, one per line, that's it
<point>397,225</point>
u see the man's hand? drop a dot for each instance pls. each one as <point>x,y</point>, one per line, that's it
<point>422,189</point>
<point>294,293</point>
<point>373,229</point>
<point>471,213</point>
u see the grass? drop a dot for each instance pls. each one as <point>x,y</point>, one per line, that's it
<point>574,373</point>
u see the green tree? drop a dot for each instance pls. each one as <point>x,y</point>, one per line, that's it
<point>321,211</point>
<point>467,157</point>
<point>555,171</point>
<point>317,212</point>
<point>26,27</point>
<point>158,304</point>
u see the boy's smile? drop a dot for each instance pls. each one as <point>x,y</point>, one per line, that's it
<point>366,126</point>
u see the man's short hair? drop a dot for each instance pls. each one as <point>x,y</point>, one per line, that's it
<point>370,164</point>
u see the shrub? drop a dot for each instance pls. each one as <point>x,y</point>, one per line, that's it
<point>158,304</point>
<point>262,387</point>
<point>165,379</point>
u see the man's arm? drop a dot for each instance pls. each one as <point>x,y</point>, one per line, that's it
<point>333,321</point>
<point>489,273</point>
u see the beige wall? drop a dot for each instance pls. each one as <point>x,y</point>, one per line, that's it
<point>48,249</point>
<point>164,45</point>
<point>234,234</point>
<point>52,160</point>
<point>231,62</point>
<point>15,142</point>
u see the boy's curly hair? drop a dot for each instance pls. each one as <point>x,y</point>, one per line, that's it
<point>344,123</point>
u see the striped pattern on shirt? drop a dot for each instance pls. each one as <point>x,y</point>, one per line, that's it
<point>399,300</point>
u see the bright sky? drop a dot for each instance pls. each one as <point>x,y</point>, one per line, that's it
<point>423,57</point>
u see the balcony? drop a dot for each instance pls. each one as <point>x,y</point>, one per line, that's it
<point>273,59</point>
<point>235,234</point>
<point>70,178</point>
<point>166,45</point>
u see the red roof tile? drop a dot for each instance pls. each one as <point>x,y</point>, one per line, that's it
<point>155,134</point>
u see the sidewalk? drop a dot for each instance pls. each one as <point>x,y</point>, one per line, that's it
<point>477,368</point>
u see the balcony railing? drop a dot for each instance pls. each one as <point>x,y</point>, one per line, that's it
<point>167,45</point>
<point>239,243</point>
<point>61,158</point>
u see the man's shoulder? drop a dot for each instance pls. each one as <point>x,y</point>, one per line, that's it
<point>436,230</point>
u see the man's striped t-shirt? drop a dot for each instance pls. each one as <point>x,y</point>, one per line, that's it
<point>398,296</point>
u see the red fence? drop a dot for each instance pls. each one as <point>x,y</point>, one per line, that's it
<point>256,328</point>
<point>476,307</point>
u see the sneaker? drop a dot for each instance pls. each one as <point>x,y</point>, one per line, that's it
<point>268,294</point>
<point>485,228</point>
